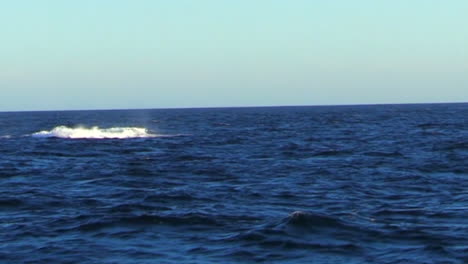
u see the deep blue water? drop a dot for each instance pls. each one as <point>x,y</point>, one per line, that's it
<point>337,184</point>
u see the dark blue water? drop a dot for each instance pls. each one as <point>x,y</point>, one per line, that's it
<point>349,184</point>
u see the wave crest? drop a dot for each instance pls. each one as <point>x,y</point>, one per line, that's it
<point>95,132</point>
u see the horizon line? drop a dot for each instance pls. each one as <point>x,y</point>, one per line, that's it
<point>234,106</point>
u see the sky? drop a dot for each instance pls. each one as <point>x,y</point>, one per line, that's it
<point>121,54</point>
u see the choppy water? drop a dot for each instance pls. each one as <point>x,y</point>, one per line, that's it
<point>354,184</point>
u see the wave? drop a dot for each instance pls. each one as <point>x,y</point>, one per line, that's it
<point>95,133</point>
<point>190,219</point>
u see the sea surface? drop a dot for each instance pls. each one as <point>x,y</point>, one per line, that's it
<point>329,184</point>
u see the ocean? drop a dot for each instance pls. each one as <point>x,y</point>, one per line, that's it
<point>323,184</point>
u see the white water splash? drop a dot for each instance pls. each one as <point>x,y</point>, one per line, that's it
<point>95,132</point>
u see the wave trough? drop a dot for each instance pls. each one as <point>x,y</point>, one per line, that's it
<point>95,133</point>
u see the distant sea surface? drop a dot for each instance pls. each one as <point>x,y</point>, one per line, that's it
<point>330,184</point>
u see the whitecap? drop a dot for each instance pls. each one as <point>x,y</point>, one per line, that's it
<point>95,133</point>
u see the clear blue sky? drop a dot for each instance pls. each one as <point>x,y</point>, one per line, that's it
<point>94,54</point>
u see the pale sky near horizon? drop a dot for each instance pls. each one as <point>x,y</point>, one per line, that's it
<point>108,54</point>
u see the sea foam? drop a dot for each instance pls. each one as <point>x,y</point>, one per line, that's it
<point>95,132</point>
